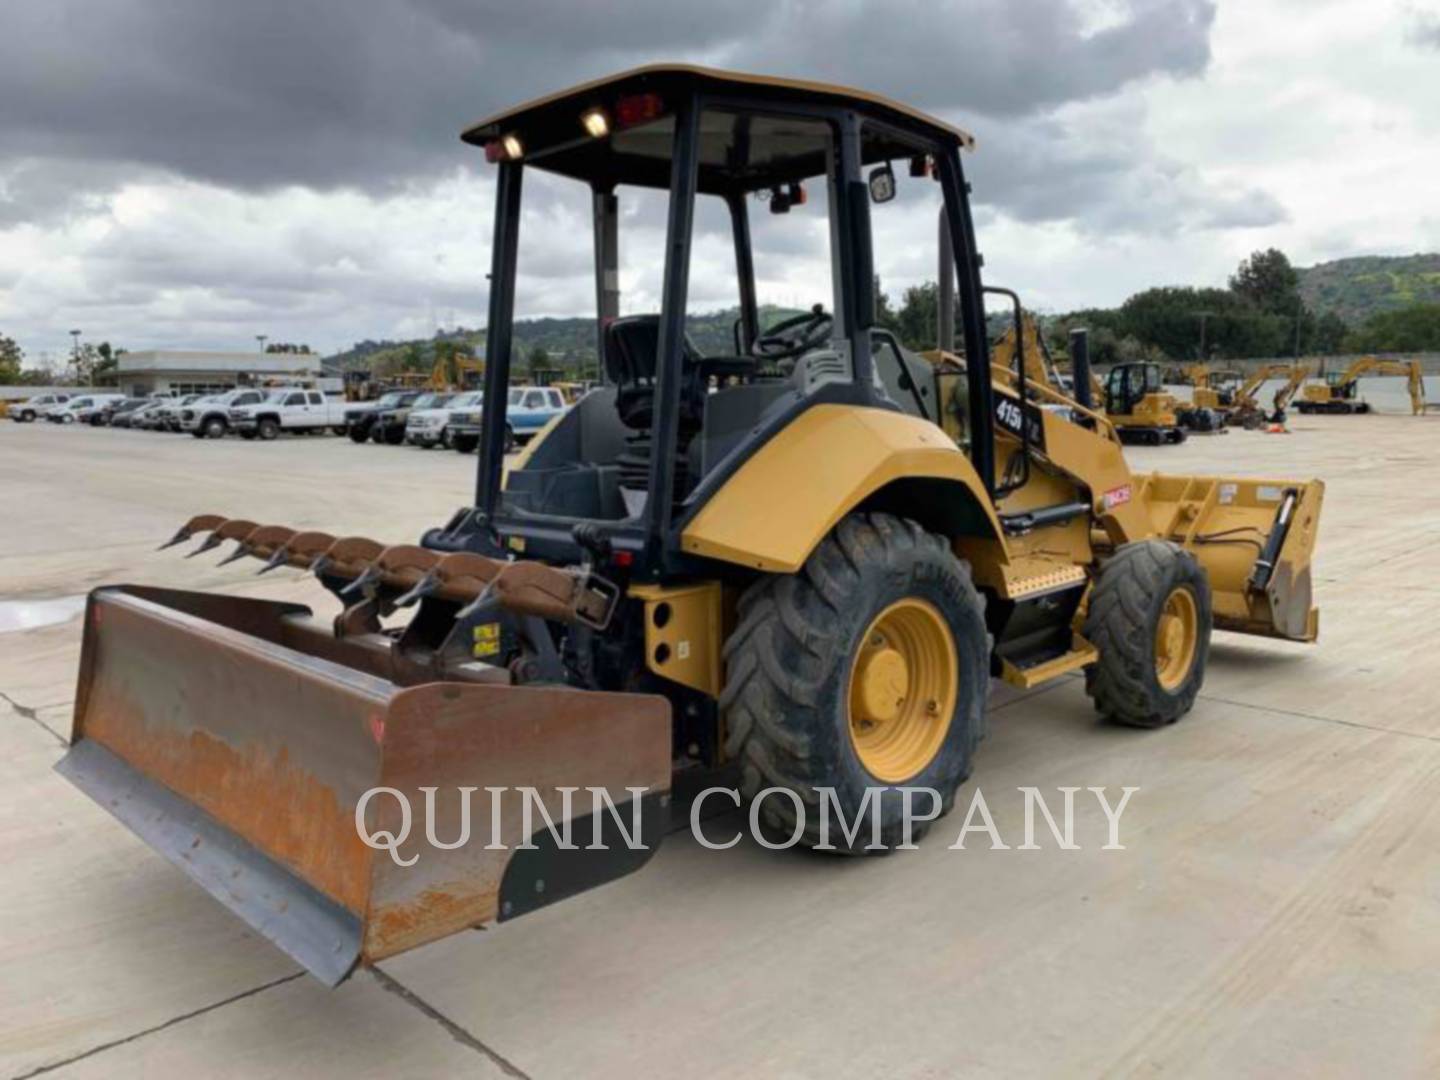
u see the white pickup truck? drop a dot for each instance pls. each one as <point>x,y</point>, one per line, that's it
<point>209,418</point>
<point>304,411</point>
<point>32,409</point>
<point>79,408</point>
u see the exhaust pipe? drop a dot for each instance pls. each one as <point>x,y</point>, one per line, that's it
<point>1080,367</point>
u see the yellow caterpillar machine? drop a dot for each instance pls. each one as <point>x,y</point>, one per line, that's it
<point>1244,407</point>
<point>1339,392</point>
<point>1143,411</point>
<point>1213,389</point>
<point>805,560</point>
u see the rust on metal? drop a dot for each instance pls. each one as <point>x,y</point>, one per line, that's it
<point>250,712</point>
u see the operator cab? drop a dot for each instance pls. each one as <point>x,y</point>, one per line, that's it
<point>682,408</point>
<point>1129,384</point>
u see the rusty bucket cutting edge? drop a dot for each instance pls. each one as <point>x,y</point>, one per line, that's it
<point>236,738</point>
<point>319,935</point>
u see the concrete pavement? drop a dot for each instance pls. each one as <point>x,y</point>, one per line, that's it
<point>1277,907</point>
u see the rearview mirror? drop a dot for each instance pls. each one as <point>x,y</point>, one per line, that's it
<point>882,184</point>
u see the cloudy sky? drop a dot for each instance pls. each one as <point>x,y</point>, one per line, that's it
<point>195,172</point>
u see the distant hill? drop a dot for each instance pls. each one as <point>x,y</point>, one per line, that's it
<point>1362,286</point>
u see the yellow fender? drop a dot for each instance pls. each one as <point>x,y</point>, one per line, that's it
<point>779,505</point>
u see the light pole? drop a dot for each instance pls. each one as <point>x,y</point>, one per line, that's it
<point>75,349</point>
<point>1203,316</point>
<point>262,338</point>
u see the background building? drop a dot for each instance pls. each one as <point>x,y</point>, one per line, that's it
<point>189,371</point>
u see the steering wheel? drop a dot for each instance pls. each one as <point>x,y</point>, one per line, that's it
<point>795,335</point>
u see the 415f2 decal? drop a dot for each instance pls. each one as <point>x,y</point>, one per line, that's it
<point>1013,418</point>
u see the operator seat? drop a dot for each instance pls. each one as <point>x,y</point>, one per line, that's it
<point>632,349</point>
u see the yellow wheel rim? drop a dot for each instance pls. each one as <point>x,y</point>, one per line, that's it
<point>1176,635</point>
<point>903,686</point>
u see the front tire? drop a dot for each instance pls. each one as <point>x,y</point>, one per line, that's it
<point>268,429</point>
<point>214,428</point>
<point>465,444</point>
<point>868,669</point>
<point>1150,618</point>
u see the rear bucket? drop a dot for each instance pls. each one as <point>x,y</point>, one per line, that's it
<point>237,737</point>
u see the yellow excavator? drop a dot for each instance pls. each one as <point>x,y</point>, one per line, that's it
<point>1339,392</point>
<point>1143,411</point>
<point>805,560</point>
<point>1244,409</point>
<point>1212,389</point>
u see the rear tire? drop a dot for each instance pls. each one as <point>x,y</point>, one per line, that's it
<point>794,671</point>
<point>214,428</point>
<point>465,444</point>
<point>268,429</point>
<point>1145,675</point>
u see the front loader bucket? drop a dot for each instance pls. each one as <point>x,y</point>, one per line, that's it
<point>1255,539</point>
<point>238,737</point>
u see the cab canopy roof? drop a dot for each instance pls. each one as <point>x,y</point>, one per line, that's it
<point>619,129</point>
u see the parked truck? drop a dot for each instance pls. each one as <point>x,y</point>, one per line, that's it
<point>431,427</point>
<point>209,418</point>
<point>527,410</point>
<point>389,424</point>
<point>80,408</point>
<point>360,416</point>
<point>301,411</point>
<point>32,409</point>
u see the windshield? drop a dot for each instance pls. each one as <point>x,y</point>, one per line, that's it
<point>429,401</point>
<point>466,399</point>
<point>389,401</point>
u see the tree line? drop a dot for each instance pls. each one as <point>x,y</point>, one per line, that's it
<point>1260,313</point>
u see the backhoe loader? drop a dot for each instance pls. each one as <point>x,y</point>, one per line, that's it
<point>805,561</point>
<point>1339,393</point>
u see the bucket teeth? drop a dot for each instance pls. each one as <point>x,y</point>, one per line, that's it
<point>197,524</point>
<point>379,578</point>
<point>369,576</point>
<point>239,553</point>
<point>224,529</point>
<point>275,561</point>
<point>301,551</point>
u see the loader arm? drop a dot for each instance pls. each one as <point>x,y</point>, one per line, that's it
<point>1254,537</point>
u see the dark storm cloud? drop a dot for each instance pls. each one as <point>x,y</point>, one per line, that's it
<point>1108,179</point>
<point>326,93</point>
